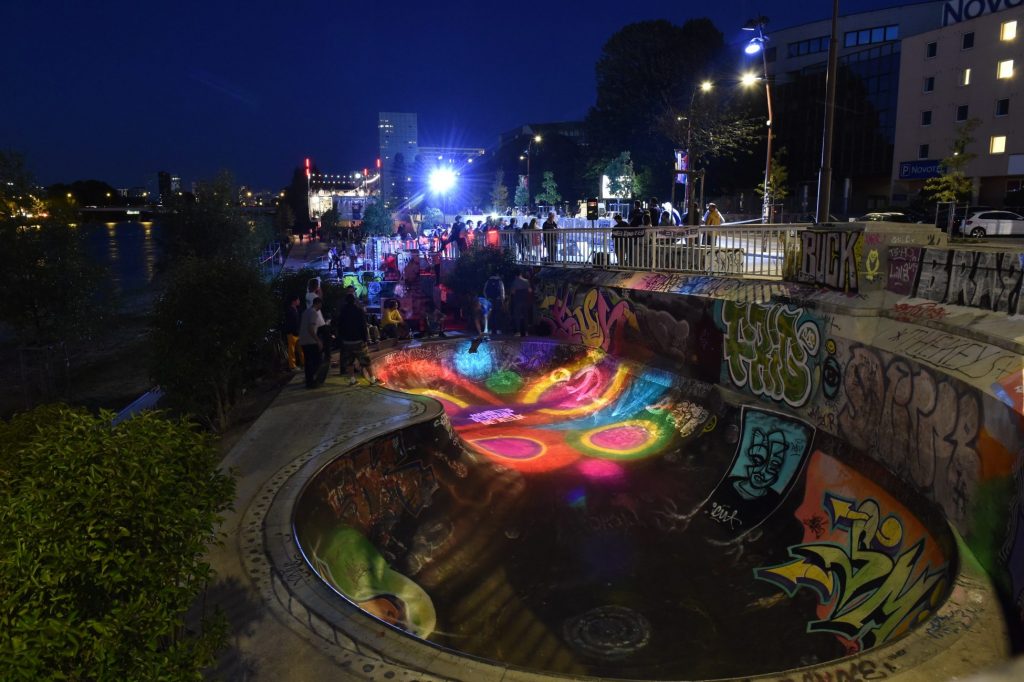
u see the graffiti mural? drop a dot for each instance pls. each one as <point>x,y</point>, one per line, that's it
<point>770,350</point>
<point>769,456</point>
<point>831,257</point>
<point>597,322</point>
<point>876,570</point>
<point>978,279</point>
<point>541,406</point>
<point>921,425</point>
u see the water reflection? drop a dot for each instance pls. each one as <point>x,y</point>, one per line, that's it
<point>129,250</point>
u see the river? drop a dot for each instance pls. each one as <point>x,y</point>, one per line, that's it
<point>129,250</point>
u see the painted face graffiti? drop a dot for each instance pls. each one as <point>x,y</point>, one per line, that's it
<point>766,457</point>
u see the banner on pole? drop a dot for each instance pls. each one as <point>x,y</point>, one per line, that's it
<point>682,165</point>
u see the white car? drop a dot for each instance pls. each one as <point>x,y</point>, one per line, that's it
<point>994,224</point>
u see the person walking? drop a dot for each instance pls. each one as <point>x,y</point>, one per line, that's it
<point>550,238</point>
<point>351,328</point>
<point>494,291</point>
<point>292,318</point>
<point>310,341</point>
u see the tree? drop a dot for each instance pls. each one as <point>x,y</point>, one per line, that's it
<point>212,227</point>
<point>54,291</point>
<point>522,196</point>
<point>953,184</point>
<point>432,216</point>
<point>284,221</point>
<point>106,529</point>
<point>499,192</point>
<point>377,220</point>
<point>208,332</point>
<point>777,179</point>
<point>644,70</point>
<point>621,176</point>
<point>712,129</point>
<point>549,195</point>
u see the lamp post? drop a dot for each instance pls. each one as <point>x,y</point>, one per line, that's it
<point>705,86</point>
<point>529,153</point>
<point>825,173</point>
<point>756,45</point>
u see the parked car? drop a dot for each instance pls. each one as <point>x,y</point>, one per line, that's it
<point>993,224</point>
<point>891,217</point>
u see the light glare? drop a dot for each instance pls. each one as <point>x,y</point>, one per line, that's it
<point>442,180</point>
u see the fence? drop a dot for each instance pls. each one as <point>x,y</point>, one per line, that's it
<point>747,250</point>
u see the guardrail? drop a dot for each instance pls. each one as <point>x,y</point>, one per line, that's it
<point>736,250</point>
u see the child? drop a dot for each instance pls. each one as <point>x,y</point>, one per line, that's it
<point>393,324</point>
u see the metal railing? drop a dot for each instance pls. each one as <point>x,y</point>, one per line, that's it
<point>735,250</point>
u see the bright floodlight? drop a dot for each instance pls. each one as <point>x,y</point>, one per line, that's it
<point>748,78</point>
<point>753,47</point>
<point>442,180</point>
<point>706,86</point>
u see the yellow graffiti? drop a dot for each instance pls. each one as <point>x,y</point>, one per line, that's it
<point>873,589</point>
<point>594,323</point>
<point>872,265</point>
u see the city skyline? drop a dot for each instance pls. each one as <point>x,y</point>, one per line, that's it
<point>103,93</point>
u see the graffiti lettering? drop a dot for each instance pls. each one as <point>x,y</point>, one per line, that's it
<point>771,350</point>
<point>722,514</point>
<point>955,353</point>
<point>871,585</point>
<point>595,323</point>
<point>857,671</point>
<point>979,279</point>
<point>909,312</point>
<point>921,427</point>
<point>830,258</point>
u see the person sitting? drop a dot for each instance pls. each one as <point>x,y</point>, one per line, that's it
<point>393,325</point>
<point>434,321</point>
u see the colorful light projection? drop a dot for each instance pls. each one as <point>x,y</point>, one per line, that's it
<point>540,410</point>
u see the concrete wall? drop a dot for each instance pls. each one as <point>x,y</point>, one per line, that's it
<point>926,387</point>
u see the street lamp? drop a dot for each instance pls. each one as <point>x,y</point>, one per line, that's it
<point>529,153</point>
<point>705,86</point>
<point>756,45</point>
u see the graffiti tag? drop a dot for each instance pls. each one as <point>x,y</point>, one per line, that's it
<point>770,350</point>
<point>830,258</point>
<point>871,584</point>
<point>595,322</point>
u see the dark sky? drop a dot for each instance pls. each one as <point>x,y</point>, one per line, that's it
<point>119,90</point>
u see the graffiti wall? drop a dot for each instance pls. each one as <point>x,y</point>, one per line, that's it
<point>940,409</point>
<point>769,457</point>
<point>978,279</point>
<point>874,568</point>
<point>831,258</point>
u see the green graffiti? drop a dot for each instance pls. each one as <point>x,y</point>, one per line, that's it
<point>504,382</point>
<point>873,588</point>
<point>770,351</point>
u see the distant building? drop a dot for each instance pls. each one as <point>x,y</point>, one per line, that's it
<point>867,92</point>
<point>967,70</point>
<point>398,134</point>
<point>348,194</point>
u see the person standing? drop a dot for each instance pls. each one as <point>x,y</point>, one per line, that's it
<point>712,217</point>
<point>494,291</point>
<point>350,324</point>
<point>550,238</point>
<point>292,317</point>
<point>310,341</point>
<point>520,304</point>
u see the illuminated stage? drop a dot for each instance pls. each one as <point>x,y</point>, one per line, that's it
<point>577,514</point>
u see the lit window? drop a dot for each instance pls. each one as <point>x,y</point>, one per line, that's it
<point>965,78</point>
<point>1008,30</point>
<point>1003,107</point>
<point>922,151</point>
<point>1005,69</point>
<point>967,41</point>
<point>926,118</point>
<point>930,50</point>
<point>997,144</point>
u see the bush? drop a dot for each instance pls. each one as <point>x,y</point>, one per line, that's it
<point>475,265</point>
<point>209,336</point>
<point>105,529</point>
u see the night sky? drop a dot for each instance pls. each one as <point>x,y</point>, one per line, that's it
<point>117,90</point>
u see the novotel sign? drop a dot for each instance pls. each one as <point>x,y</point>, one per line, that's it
<point>955,11</point>
<point>920,170</point>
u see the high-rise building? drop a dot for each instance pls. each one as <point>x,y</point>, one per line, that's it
<point>967,71</point>
<point>866,98</point>
<point>398,134</point>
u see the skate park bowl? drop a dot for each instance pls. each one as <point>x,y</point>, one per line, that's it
<point>571,513</point>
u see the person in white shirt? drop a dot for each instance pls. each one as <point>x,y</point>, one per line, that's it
<point>309,339</point>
